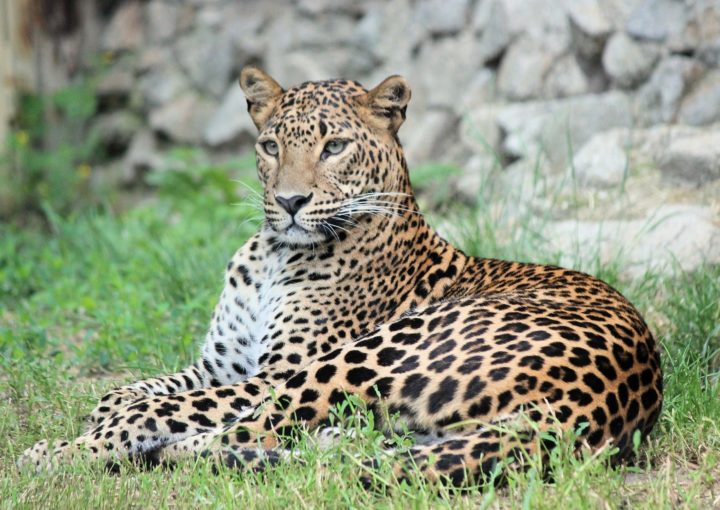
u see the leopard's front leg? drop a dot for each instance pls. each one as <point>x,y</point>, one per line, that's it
<point>152,422</point>
<point>193,377</point>
<point>230,353</point>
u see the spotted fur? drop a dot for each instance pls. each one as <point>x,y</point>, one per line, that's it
<point>347,290</point>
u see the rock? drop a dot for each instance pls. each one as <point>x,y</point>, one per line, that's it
<point>490,21</point>
<point>477,177</point>
<point>423,136</point>
<point>538,19</point>
<point>206,58</point>
<point>443,16</point>
<point>325,46</point>
<point>183,119</point>
<point>702,28</point>
<point>659,98</point>
<point>230,123</point>
<point>446,69</point>
<point>617,12</point>
<point>656,20</point>
<point>295,67</point>
<point>557,127</point>
<point>210,17</point>
<point>674,236</point>
<point>589,27</point>
<point>709,53</point>
<point>565,78</point>
<point>287,31</point>
<point>479,92</point>
<point>162,84</point>
<point>140,157</point>
<point>588,17</point>
<point>243,28</point>
<point>602,162</point>
<point>377,32</point>
<point>523,69</point>
<point>118,81</point>
<point>152,57</point>
<point>627,61</point>
<point>480,131</point>
<point>694,159</point>
<point>163,19</point>
<point>320,7</point>
<point>116,129</point>
<point>126,28</point>
<point>525,183</point>
<point>702,105</point>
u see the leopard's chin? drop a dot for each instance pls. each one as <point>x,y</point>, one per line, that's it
<point>297,236</point>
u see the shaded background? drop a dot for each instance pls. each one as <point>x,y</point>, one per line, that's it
<point>599,115</point>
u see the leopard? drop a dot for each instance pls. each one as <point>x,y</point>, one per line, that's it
<point>346,291</point>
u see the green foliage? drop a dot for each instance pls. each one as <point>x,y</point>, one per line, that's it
<point>433,183</point>
<point>190,180</point>
<point>48,165</point>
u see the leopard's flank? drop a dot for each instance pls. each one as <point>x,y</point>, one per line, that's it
<point>346,290</point>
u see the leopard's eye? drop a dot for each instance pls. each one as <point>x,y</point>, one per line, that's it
<point>270,147</point>
<point>332,148</point>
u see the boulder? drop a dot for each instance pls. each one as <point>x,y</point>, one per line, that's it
<point>539,19</point>
<point>627,61</point>
<point>164,19</point>
<point>184,118</point>
<point>162,84</point>
<point>674,236</point>
<point>443,16</point>
<point>491,24</point>
<point>702,104</point>
<point>590,27</point>
<point>243,27</point>
<point>116,129</point>
<point>692,158</point>
<point>565,78</point>
<point>523,69</point>
<point>701,29</point>
<point>141,156</point>
<point>480,130</point>
<point>301,48</point>
<point>656,20</point>
<point>445,69</point>
<point>320,7</point>
<point>602,162</point>
<point>558,127</point>
<point>422,137</point>
<point>658,100</point>
<point>377,33</point>
<point>230,123</point>
<point>480,91</point>
<point>206,58</point>
<point>126,28</point>
<point>117,81</point>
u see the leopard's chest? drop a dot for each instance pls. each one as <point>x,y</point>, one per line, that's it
<point>259,309</point>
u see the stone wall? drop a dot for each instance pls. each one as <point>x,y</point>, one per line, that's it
<point>598,97</point>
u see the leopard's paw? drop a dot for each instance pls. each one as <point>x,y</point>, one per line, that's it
<point>42,454</point>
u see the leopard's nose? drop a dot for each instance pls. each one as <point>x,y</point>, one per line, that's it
<point>293,203</point>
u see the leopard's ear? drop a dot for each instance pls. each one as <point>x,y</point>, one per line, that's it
<point>388,102</point>
<point>261,92</point>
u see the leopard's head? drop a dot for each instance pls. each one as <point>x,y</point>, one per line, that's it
<point>327,153</point>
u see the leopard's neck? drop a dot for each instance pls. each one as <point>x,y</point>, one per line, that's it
<point>400,258</point>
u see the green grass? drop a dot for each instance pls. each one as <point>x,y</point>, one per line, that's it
<point>101,299</point>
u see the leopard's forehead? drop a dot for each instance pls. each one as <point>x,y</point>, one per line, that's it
<point>329,96</point>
